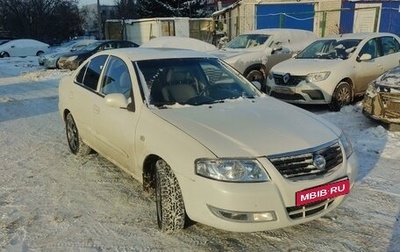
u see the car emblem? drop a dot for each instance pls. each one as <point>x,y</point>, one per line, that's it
<point>286,78</point>
<point>319,162</point>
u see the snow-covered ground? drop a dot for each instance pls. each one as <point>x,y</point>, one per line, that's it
<point>51,200</point>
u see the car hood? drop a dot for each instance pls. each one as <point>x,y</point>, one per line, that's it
<point>77,53</point>
<point>390,79</point>
<point>251,127</point>
<point>306,66</point>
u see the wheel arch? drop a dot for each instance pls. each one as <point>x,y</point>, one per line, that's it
<point>148,173</point>
<point>257,66</point>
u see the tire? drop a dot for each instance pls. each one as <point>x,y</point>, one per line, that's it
<point>169,201</point>
<point>39,53</point>
<point>257,75</point>
<point>341,96</point>
<point>75,143</point>
<point>5,54</point>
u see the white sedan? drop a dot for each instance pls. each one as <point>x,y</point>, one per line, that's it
<point>334,70</point>
<point>205,141</point>
<point>22,48</point>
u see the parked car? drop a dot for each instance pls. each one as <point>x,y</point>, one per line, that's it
<point>254,53</point>
<point>334,70</point>
<point>382,99</point>
<point>180,43</point>
<point>205,141</point>
<point>50,59</point>
<point>22,48</point>
<point>72,60</point>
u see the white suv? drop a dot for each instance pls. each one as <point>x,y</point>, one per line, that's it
<point>333,70</point>
<point>254,53</point>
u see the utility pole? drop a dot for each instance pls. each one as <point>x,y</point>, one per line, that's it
<point>99,20</point>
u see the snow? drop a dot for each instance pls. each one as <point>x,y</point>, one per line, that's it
<point>51,200</point>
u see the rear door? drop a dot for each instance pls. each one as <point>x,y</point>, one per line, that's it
<point>82,94</point>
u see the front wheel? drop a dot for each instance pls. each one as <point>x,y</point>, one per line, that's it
<point>169,201</point>
<point>341,96</point>
<point>75,143</point>
<point>257,75</point>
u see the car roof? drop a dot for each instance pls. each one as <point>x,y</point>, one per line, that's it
<point>360,35</point>
<point>139,53</point>
<point>275,30</point>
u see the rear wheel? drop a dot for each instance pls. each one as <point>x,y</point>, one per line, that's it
<point>169,201</point>
<point>39,53</point>
<point>341,96</point>
<point>4,54</point>
<point>75,143</point>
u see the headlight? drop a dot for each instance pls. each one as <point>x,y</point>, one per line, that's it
<point>348,148</point>
<point>72,58</point>
<point>231,170</point>
<point>315,77</point>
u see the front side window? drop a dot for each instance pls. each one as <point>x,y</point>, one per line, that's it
<point>192,82</point>
<point>89,75</point>
<point>371,48</point>
<point>116,78</point>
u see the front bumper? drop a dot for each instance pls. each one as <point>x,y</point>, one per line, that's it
<point>382,106</point>
<point>276,197</point>
<point>301,93</point>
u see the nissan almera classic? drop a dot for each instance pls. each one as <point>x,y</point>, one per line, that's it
<point>204,141</point>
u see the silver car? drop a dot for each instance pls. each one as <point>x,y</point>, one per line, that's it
<point>50,59</point>
<point>334,70</point>
<point>204,141</point>
<point>254,53</point>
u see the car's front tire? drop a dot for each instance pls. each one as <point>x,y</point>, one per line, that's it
<point>169,200</point>
<point>257,75</point>
<point>341,96</point>
<point>75,143</point>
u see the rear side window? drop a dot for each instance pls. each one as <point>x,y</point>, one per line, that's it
<point>390,45</point>
<point>89,75</point>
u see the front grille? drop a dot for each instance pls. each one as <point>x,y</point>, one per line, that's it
<point>291,97</point>
<point>292,81</point>
<point>298,165</point>
<point>296,212</point>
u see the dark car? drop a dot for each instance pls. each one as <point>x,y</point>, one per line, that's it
<point>74,59</point>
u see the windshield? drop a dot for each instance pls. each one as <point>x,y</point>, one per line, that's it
<point>247,41</point>
<point>330,49</point>
<point>192,81</point>
<point>92,46</point>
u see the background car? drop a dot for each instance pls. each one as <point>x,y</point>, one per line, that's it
<point>50,59</point>
<point>254,53</point>
<point>179,43</point>
<point>382,99</point>
<point>334,70</point>
<point>22,48</point>
<point>72,60</point>
<point>175,119</point>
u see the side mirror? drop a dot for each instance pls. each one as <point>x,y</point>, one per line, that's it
<point>365,57</point>
<point>276,49</point>
<point>116,100</point>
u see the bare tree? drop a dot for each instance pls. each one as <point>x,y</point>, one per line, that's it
<point>46,20</point>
